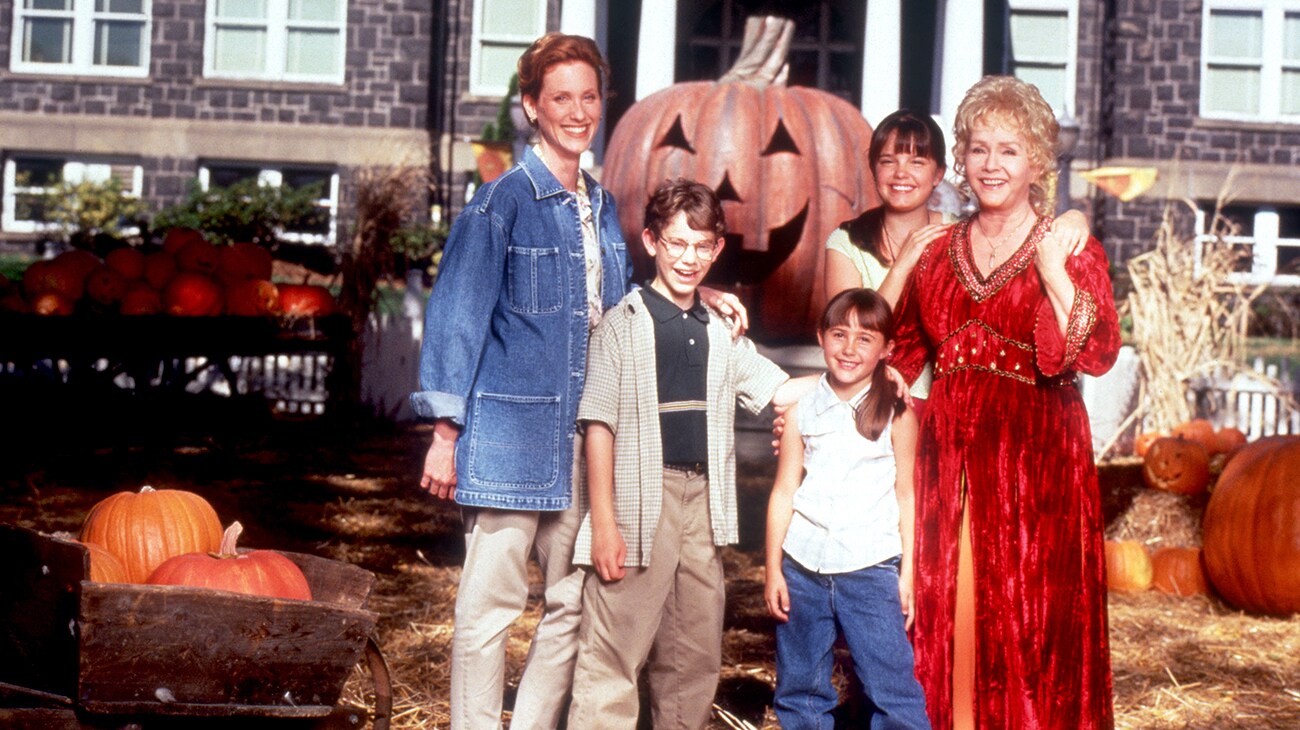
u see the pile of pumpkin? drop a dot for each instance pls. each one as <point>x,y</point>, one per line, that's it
<point>187,276</point>
<point>173,537</point>
<point>1250,532</point>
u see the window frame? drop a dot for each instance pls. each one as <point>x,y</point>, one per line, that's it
<point>480,38</point>
<point>272,174</point>
<point>84,19</point>
<point>1071,10</point>
<point>1264,241</point>
<point>1271,63</point>
<point>73,169</point>
<point>278,27</point>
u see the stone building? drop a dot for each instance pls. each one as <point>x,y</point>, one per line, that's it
<point>159,92</point>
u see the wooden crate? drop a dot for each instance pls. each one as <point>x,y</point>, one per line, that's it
<point>123,649</point>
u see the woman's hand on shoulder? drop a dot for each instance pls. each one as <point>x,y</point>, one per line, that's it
<point>1053,251</point>
<point>917,242</point>
<point>1072,228</point>
<point>729,306</point>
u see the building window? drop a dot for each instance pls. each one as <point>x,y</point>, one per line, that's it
<point>1250,60</point>
<point>86,37</point>
<point>1044,35</point>
<point>825,52</point>
<point>277,40</point>
<point>1268,236</point>
<point>320,227</point>
<point>503,30</point>
<point>28,179</point>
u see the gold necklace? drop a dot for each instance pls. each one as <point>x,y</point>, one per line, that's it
<point>993,247</point>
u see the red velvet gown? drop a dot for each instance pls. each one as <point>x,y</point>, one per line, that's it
<point>1004,419</point>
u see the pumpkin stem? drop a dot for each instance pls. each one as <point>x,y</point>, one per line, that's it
<point>146,489</point>
<point>763,52</point>
<point>229,539</point>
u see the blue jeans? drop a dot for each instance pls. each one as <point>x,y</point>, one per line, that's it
<point>864,606</point>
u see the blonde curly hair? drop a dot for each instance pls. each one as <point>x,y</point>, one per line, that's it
<point>1016,105</point>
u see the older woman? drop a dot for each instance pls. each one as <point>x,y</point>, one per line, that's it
<point>1011,604</point>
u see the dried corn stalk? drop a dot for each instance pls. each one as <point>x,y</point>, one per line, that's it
<point>1189,319</point>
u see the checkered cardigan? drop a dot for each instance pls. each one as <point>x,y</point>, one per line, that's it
<point>622,392</point>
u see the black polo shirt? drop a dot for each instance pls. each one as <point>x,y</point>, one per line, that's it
<point>681,363</point>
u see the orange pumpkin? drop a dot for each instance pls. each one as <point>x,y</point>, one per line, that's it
<point>306,300</point>
<point>79,262</point>
<point>256,573</point>
<point>61,276</point>
<point>52,304</point>
<point>252,298</point>
<point>159,268</point>
<point>1144,440</point>
<point>1128,566</point>
<point>1228,440</point>
<point>1178,571</point>
<point>127,261</point>
<point>176,238</point>
<point>788,163</point>
<point>145,528</point>
<point>198,255</point>
<point>191,294</point>
<point>105,286</point>
<point>141,299</point>
<point>1251,530</point>
<point>240,261</point>
<point>104,566</point>
<point>1176,465</point>
<point>1199,430</point>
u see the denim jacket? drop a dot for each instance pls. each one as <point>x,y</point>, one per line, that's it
<point>504,353</point>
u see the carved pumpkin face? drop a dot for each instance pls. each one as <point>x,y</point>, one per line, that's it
<point>1176,465</point>
<point>788,164</point>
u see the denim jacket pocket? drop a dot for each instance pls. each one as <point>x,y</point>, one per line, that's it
<point>534,279</point>
<point>514,441</point>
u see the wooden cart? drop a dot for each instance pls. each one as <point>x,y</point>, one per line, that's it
<point>293,361</point>
<point>81,654</point>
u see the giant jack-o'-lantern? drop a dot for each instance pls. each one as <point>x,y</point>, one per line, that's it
<point>789,164</point>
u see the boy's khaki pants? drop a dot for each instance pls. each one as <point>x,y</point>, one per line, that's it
<point>669,614</point>
<point>493,592</point>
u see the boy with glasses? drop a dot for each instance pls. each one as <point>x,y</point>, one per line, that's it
<point>663,377</point>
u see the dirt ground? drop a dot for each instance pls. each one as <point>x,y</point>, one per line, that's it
<point>348,494</point>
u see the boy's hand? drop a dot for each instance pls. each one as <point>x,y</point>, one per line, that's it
<point>778,428</point>
<point>608,553</point>
<point>907,597</point>
<point>777,595</point>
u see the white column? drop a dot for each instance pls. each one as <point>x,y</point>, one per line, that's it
<point>881,47</point>
<point>656,47</point>
<point>578,17</point>
<point>962,61</point>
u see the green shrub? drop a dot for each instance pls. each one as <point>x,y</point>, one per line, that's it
<point>83,211</point>
<point>244,211</point>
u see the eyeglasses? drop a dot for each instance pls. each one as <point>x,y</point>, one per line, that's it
<point>704,250</point>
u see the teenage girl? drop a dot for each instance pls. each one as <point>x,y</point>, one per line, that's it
<point>840,528</point>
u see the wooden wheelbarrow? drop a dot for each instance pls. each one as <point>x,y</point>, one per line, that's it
<point>80,654</point>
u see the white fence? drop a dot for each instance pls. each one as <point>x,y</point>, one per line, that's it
<point>1251,403</point>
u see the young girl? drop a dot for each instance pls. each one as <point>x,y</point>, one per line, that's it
<point>840,525</point>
